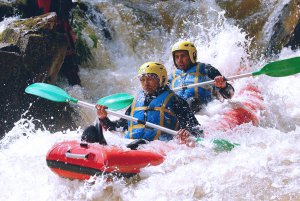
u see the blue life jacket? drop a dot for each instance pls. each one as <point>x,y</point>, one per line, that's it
<point>192,76</point>
<point>159,112</point>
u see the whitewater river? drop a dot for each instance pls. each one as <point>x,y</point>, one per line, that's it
<point>266,165</point>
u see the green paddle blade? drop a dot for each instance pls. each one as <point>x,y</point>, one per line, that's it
<point>280,68</point>
<point>116,101</point>
<point>220,144</point>
<point>223,145</point>
<point>49,92</point>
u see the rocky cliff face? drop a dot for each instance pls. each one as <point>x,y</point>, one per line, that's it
<point>31,51</point>
<point>286,30</point>
<point>254,15</point>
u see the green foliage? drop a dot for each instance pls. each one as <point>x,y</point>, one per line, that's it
<point>80,25</point>
<point>83,51</point>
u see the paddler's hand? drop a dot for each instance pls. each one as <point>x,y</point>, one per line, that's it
<point>185,137</point>
<point>101,112</point>
<point>220,82</point>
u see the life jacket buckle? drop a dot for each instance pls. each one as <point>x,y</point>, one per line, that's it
<point>150,108</point>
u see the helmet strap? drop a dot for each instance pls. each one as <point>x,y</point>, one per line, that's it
<point>195,56</point>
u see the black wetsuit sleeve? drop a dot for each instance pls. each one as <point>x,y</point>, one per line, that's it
<point>186,117</point>
<point>212,72</point>
<point>227,92</point>
<point>107,124</point>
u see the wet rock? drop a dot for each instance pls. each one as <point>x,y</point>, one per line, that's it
<point>7,47</point>
<point>285,28</point>
<point>249,14</point>
<point>240,9</point>
<point>31,51</point>
<point>253,16</point>
<point>6,10</point>
<point>294,41</point>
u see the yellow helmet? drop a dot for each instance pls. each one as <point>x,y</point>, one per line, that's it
<point>188,46</point>
<point>154,68</point>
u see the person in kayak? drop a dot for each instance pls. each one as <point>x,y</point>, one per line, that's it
<point>189,71</point>
<point>155,103</point>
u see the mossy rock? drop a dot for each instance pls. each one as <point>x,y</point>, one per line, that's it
<point>9,36</point>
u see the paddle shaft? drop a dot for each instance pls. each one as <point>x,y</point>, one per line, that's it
<point>130,118</point>
<point>57,94</point>
<point>221,144</point>
<point>212,81</point>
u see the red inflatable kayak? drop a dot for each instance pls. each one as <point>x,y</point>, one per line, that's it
<point>75,160</point>
<point>246,109</point>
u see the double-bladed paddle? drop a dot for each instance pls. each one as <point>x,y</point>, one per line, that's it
<point>54,93</point>
<point>279,68</point>
<point>113,102</point>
